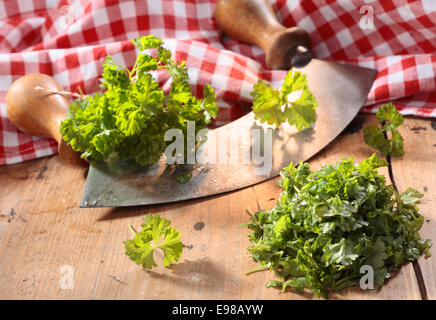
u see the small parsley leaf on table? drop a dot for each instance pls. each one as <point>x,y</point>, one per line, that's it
<point>390,119</point>
<point>141,248</point>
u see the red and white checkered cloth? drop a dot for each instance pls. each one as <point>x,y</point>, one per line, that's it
<point>69,40</point>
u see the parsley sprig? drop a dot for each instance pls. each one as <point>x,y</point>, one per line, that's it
<point>331,222</point>
<point>141,248</point>
<point>130,117</point>
<point>275,107</point>
<point>390,119</point>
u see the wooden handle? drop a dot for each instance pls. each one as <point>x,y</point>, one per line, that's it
<point>254,22</point>
<point>33,108</point>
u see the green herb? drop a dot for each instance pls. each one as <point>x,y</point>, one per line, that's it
<point>132,115</point>
<point>390,119</point>
<point>184,178</point>
<point>331,222</point>
<point>141,248</point>
<point>275,107</point>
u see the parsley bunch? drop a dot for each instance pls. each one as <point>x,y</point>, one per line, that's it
<point>390,119</point>
<point>141,248</point>
<point>329,223</point>
<point>130,118</point>
<point>274,106</point>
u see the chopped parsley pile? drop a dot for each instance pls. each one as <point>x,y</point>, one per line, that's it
<point>331,222</point>
<point>129,119</point>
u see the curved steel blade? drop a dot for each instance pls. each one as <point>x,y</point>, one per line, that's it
<point>340,90</point>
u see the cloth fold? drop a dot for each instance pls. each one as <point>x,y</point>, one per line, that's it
<point>69,40</point>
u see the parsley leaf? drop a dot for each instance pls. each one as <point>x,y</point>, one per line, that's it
<point>184,177</point>
<point>141,248</point>
<point>274,106</point>
<point>130,117</point>
<point>331,222</point>
<point>390,119</point>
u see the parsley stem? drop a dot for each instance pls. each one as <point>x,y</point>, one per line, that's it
<point>259,268</point>
<point>134,232</point>
<point>134,68</point>
<point>249,212</point>
<point>343,280</point>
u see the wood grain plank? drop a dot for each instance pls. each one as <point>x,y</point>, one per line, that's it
<point>12,185</point>
<point>52,232</point>
<point>417,169</point>
<point>213,263</point>
<point>56,233</point>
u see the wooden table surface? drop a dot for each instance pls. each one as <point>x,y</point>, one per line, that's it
<point>45,236</point>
